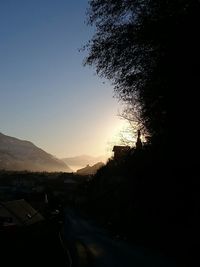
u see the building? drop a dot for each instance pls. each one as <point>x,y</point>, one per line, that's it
<point>18,213</point>
<point>120,151</point>
<point>139,142</point>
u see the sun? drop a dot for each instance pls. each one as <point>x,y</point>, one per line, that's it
<point>123,134</point>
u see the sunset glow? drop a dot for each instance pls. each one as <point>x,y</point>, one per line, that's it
<point>47,96</point>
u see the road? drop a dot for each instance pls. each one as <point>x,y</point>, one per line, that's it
<point>91,246</point>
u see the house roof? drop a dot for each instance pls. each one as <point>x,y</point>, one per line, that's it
<point>22,211</point>
<point>121,148</point>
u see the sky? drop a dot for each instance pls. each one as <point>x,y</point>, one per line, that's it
<point>47,96</point>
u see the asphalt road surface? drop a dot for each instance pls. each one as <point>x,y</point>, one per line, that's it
<point>92,246</point>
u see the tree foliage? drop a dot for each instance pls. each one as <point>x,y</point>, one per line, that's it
<point>150,51</point>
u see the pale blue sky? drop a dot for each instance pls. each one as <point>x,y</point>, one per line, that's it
<point>46,95</point>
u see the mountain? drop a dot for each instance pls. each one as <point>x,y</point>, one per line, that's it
<point>88,170</point>
<point>83,160</point>
<point>16,154</point>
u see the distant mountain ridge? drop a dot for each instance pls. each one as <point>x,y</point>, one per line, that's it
<point>83,160</point>
<point>16,154</point>
<point>90,170</point>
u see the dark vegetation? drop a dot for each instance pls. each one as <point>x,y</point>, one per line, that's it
<point>150,51</point>
<point>147,205</point>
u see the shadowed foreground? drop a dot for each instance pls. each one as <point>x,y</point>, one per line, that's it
<point>91,246</point>
<point>32,249</point>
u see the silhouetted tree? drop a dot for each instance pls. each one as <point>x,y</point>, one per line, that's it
<point>150,50</point>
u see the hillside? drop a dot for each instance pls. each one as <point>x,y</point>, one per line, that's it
<point>90,170</point>
<point>16,154</point>
<point>81,161</point>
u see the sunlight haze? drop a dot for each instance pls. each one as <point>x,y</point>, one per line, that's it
<point>47,96</point>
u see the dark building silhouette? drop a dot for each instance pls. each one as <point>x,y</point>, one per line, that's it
<point>139,142</point>
<point>120,151</point>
